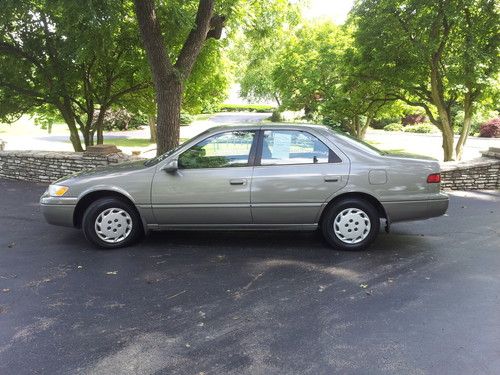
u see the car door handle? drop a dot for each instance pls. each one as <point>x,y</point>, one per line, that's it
<point>238,181</point>
<point>331,178</point>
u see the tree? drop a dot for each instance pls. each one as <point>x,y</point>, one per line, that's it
<point>317,73</point>
<point>76,58</point>
<point>435,54</point>
<point>171,68</point>
<point>258,46</point>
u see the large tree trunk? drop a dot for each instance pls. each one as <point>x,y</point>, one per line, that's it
<point>464,134</point>
<point>168,99</point>
<point>168,78</point>
<point>152,129</point>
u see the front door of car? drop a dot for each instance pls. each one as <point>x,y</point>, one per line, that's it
<point>211,185</point>
<point>295,173</point>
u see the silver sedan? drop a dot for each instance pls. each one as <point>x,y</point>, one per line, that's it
<point>275,177</point>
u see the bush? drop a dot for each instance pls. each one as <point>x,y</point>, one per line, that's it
<point>261,108</point>
<point>412,119</point>
<point>186,118</point>
<point>490,129</point>
<point>394,127</point>
<point>276,116</point>
<point>383,122</point>
<point>420,128</point>
<point>121,119</point>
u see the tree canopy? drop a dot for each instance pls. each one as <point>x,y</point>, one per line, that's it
<point>436,54</point>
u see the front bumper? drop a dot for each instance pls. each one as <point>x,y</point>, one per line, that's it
<point>416,210</point>
<point>58,211</point>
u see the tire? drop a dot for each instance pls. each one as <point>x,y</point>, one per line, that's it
<point>123,228</point>
<point>350,224</point>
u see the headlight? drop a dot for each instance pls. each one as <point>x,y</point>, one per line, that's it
<point>57,190</point>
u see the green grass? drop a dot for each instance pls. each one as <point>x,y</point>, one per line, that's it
<point>246,108</point>
<point>203,116</point>
<point>128,142</point>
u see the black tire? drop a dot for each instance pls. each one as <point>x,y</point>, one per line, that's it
<point>367,212</point>
<point>100,206</point>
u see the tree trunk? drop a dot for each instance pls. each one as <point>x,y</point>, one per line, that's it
<point>100,124</point>
<point>152,128</point>
<point>444,115</point>
<point>69,117</point>
<point>168,99</point>
<point>468,112</point>
<point>364,129</point>
<point>168,78</point>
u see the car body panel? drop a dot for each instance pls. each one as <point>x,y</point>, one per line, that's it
<point>272,197</point>
<point>202,196</point>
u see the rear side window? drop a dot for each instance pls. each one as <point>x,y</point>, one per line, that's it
<point>282,147</point>
<point>230,149</point>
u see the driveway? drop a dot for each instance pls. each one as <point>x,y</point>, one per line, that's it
<point>424,300</point>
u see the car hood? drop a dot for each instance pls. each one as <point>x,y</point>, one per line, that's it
<point>113,170</point>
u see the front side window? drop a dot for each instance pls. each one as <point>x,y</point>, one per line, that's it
<point>281,147</point>
<point>231,149</point>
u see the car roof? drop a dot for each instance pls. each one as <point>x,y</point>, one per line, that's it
<point>266,126</point>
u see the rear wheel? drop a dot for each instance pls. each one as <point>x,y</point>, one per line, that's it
<point>350,224</point>
<point>111,223</point>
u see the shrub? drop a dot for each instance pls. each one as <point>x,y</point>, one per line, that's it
<point>261,108</point>
<point>186,118</point>
<point>121,119</point>
<point>420,128</point>
<point>276,116</point>
<point>413,119</point>
<point>383,122</point>
<point>490,129</point>
<point>394,127</point>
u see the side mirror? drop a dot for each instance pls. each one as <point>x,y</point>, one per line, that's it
<point>171,167</point>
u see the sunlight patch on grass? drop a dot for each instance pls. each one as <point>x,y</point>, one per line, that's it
<point>129,142</point>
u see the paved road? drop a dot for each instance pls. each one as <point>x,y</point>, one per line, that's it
<point>246,303</point>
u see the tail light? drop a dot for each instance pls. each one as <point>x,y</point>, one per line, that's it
<point>434,178</point>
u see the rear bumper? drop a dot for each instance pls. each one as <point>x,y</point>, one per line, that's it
<point>416,210</point>
<point>58,211</point>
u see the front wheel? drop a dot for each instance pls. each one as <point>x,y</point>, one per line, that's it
<point>350,224</point>
<point>111,223</point>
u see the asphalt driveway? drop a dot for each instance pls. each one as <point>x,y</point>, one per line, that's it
<point>424,300</point>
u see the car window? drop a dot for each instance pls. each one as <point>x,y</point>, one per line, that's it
<point>282,147</point>
<point>231,149</point>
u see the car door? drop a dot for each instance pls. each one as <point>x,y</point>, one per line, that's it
<point>295,173</point>
<point>211,184</point>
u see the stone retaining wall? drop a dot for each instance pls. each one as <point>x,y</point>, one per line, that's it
<point>46,166</point>
<point>475,175</point>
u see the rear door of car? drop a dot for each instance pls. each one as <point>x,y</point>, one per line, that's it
<point>295,173</point>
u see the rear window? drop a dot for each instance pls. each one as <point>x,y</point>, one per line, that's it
<point>361,144</point>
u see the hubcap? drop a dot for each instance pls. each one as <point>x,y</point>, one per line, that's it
<point>113,225</point>
<point>352,225</point>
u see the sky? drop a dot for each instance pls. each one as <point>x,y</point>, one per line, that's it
<point>333,9</point>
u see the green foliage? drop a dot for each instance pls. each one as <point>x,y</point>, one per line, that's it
<point>260,108</point>
<point>69,57</point>
<point>394,127</point>
<point>421,128</point>
<point>186,118</point>
<point>207,86</point>
<point>437,55</point>
<point>259,44</point>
